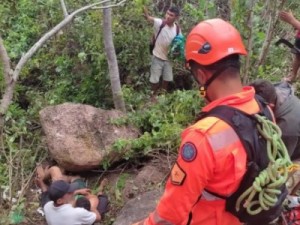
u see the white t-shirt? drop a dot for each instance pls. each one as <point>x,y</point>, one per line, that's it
<point>67,215</point>
<point>164,39</point>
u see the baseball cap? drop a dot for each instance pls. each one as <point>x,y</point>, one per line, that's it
<point>59,188</point>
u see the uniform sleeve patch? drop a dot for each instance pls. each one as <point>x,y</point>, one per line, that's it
<point>177,175</point>
<point>188,152</point>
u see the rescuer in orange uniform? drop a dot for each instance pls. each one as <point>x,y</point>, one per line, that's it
<point>211,156</point>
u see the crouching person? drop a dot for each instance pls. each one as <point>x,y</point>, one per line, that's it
<point>60,211</point>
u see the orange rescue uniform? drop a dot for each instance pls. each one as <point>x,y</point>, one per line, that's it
<point>218,165</point>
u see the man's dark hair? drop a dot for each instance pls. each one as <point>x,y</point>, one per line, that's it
<point>229,61</point>
<point>265,89</point>
<point>83,202</point>
<point>175,10</point>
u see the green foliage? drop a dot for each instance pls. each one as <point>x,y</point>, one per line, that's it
<point>194,15</point>
<point>160,123</point>
<point>20,150</point>
<point>120,186</point>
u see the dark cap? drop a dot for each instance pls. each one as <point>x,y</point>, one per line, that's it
<point>59,188</point>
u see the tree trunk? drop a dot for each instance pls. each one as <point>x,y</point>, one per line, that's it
<point>112,61</point>
<point>223,9</point>
<point>247,66</point>
<point>273,19</point>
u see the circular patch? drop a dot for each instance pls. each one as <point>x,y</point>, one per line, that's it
<point>188,152</point>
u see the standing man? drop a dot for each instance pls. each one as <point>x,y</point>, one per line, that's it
<point>289,18</point>
<point>211,155</point>
<point>164,32</point>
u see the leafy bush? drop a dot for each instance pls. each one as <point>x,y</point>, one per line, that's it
<point>160,123</point>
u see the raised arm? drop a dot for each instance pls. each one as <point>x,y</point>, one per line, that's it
<point>289,18</point>
<point>147,16</point>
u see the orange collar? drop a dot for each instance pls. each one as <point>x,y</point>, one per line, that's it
<point>235,100</point>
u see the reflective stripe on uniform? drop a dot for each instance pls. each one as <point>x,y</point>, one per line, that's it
<point>209,197</point>
<point>223,139</point>
<point>158,220</point>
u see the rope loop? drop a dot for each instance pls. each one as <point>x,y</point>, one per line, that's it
<point>267,184</point>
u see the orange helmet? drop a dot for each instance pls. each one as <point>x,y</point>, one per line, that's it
<point>213,40</point>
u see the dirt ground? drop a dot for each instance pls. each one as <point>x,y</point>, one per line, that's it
<point>125,182</point>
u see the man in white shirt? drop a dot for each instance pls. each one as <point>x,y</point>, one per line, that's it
<point>60,211</point>
<point>165,31</point>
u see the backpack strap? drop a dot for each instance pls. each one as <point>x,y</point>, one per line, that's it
<point>236,119</point>
<point>248,202</point>
<point>264,108</point>
<point>160,28</point>
<point>177,28</point>
<point>230,116</point>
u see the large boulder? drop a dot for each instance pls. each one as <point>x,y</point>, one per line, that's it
<point>79,137</point>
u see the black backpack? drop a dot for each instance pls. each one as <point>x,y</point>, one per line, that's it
<point>257,160</point>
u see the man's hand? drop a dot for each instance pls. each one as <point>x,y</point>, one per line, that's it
<point>146,12</point>
<point>287,17</point>
<point>83,191</point>
<point>147,16</point>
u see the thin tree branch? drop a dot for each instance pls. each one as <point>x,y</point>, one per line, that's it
<point>7,97</point>
<point>64,8</point>
<point>5,62</point>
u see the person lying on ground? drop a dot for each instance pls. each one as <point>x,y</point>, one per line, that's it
<point>55,173</point>
<point>90,201</point>
<point>58,201</point>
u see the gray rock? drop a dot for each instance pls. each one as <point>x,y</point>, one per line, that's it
<point>143,182</point>
<point>79,137</point>
<point>138,208</point>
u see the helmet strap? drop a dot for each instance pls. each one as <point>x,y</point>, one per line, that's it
<point>204,88</point>
<point>213,77</point>
<point>217,73</point>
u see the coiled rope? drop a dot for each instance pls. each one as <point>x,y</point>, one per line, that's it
<point>267,184</point>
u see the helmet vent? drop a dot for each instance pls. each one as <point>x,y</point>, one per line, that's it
<point>205,48</point>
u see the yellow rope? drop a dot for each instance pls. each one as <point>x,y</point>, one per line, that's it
<point>293,168</point>
<point>267,184</point>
